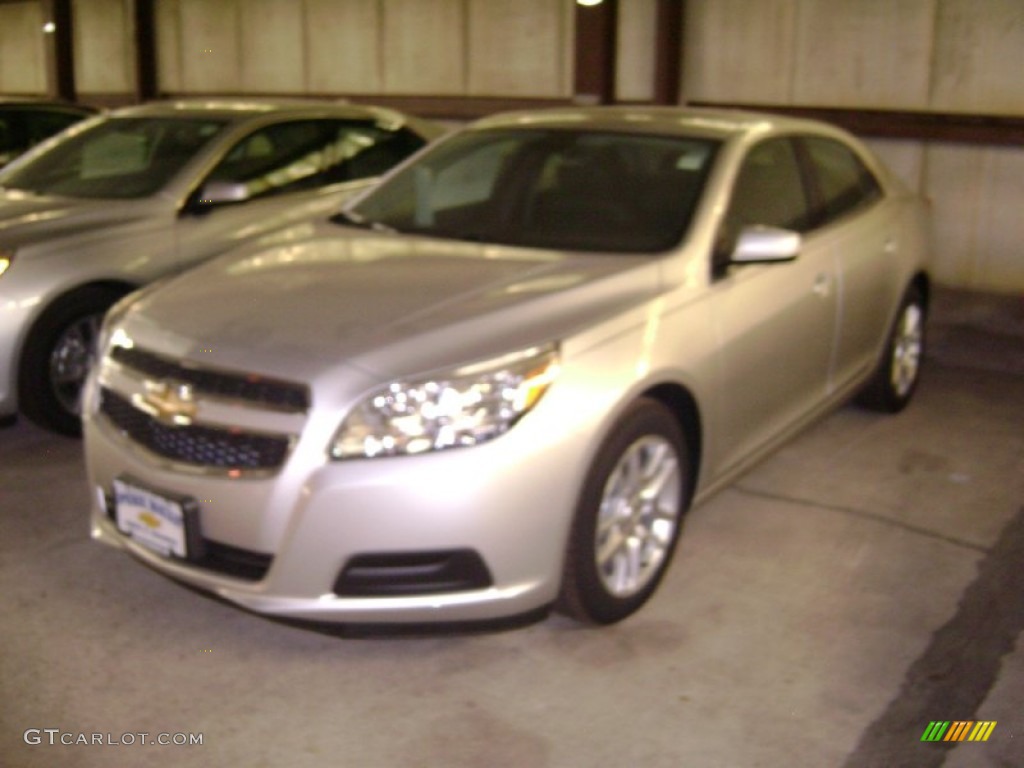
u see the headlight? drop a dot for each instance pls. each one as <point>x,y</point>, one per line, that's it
<point>6,257</point>
<point>466,406</point>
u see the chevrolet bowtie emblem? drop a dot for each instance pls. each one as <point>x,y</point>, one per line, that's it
<point>169,402</point>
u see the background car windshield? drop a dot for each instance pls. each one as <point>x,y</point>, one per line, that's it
<point>117,158</point>
<point>549,189</point>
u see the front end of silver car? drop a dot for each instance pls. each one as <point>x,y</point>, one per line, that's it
<point>348,498</point>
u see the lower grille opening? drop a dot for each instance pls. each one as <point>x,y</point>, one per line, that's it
<point>232,561</point>
<point>406,574</point>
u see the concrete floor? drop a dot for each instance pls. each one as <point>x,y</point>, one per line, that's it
<point>864,581</point>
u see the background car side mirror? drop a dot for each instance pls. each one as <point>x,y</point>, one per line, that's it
<point>759,245</point>
<point>221,193</point>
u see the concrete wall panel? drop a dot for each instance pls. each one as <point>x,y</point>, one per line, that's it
<point>272,46</point>
<point>402,47</point>
<point>739,51</point>
<point>976,194</point>
<point>863,53</point>
<point>515,48</point>
<point>904,158</point>
<point>168,44</point>
<point>104,47</point>
<point>210,56</point>
<point>22,49</point>
<point>424,50</point>
<point>979,57</point>
<point>343,54</point>
<point>634,74</point>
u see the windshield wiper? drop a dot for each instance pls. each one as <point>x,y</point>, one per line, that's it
<point>353,219</point>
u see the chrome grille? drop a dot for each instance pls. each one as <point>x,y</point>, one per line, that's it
<point>252,388</point>
<point>200,446</point>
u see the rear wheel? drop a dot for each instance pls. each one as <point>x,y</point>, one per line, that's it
<point>895,380</point>
<point>59,352</point>
<point>628,517</point>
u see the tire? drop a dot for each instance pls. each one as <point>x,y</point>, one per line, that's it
<point>636,492</point>
<point>894,381</point>
<point>59,351</point>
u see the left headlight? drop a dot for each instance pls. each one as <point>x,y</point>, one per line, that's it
<point>465,406</point>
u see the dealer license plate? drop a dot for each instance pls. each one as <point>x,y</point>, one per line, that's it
<point>151,519</point>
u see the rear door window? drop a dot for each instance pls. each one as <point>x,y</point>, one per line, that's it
<point>844,183</point>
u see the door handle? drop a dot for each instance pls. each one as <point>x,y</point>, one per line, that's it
<point>822,285</point>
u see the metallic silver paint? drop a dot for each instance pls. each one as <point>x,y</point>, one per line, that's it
<point>60,244</point>
<point>761,352</point>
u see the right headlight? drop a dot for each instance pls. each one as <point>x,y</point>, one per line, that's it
<point>462,407</point>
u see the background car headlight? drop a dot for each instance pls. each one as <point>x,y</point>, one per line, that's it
<point>6,257</point>
<point>466,406</point>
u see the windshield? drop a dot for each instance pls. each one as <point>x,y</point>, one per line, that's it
<point>117,158</point>
<point>549,189</point>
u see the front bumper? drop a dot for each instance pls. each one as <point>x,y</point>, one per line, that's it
<point>15,316</point>
<point>506,504</point>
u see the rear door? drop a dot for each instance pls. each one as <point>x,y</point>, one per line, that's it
<point>862,228</point>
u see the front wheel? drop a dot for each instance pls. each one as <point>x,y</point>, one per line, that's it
<point>895,380</point>
<point>59,352</point>
<point>628,517</point>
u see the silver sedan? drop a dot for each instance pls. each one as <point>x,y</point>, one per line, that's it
<point>147,191</point>
<point>496,382</point>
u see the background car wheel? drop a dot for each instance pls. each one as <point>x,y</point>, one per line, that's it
<point>59,351</point>
<point>894,381</point>
<point>628,518</point>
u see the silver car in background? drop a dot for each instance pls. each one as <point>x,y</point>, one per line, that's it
<point>496,382</point>
<point>146,191</point>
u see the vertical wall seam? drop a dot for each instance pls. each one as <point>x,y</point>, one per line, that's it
<point>796,28</point>
<point>569,48</point>
<point>180,45</point>
<point>933,55</point>
<point>304,42</point>
<point>382,72</point>
<point>241,56</point>
<point>465,47</point>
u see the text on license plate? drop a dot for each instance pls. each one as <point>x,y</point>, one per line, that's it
<point>150,519</point>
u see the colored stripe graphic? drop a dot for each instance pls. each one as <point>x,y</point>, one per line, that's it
<point>935,731</point>
<point>958,730</point>
<point>982,730</point>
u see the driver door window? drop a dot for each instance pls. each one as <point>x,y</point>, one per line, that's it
<point>769,191</point>
<point>307,154</point>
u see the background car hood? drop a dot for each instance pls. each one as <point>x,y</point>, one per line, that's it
<point>389,305</point>
<point>26,219</point>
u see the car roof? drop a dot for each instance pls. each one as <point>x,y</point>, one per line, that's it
<point>32,102</point>
<point>690,121</point>
<point>245,108</point>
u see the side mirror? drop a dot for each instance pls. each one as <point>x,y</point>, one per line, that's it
<point>222,193</point>
<point>760,245</point>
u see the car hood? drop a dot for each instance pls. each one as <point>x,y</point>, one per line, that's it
<point>26,219</point>
<point>389,305</point>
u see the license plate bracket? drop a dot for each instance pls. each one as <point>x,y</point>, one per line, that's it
<point>166,523</point>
